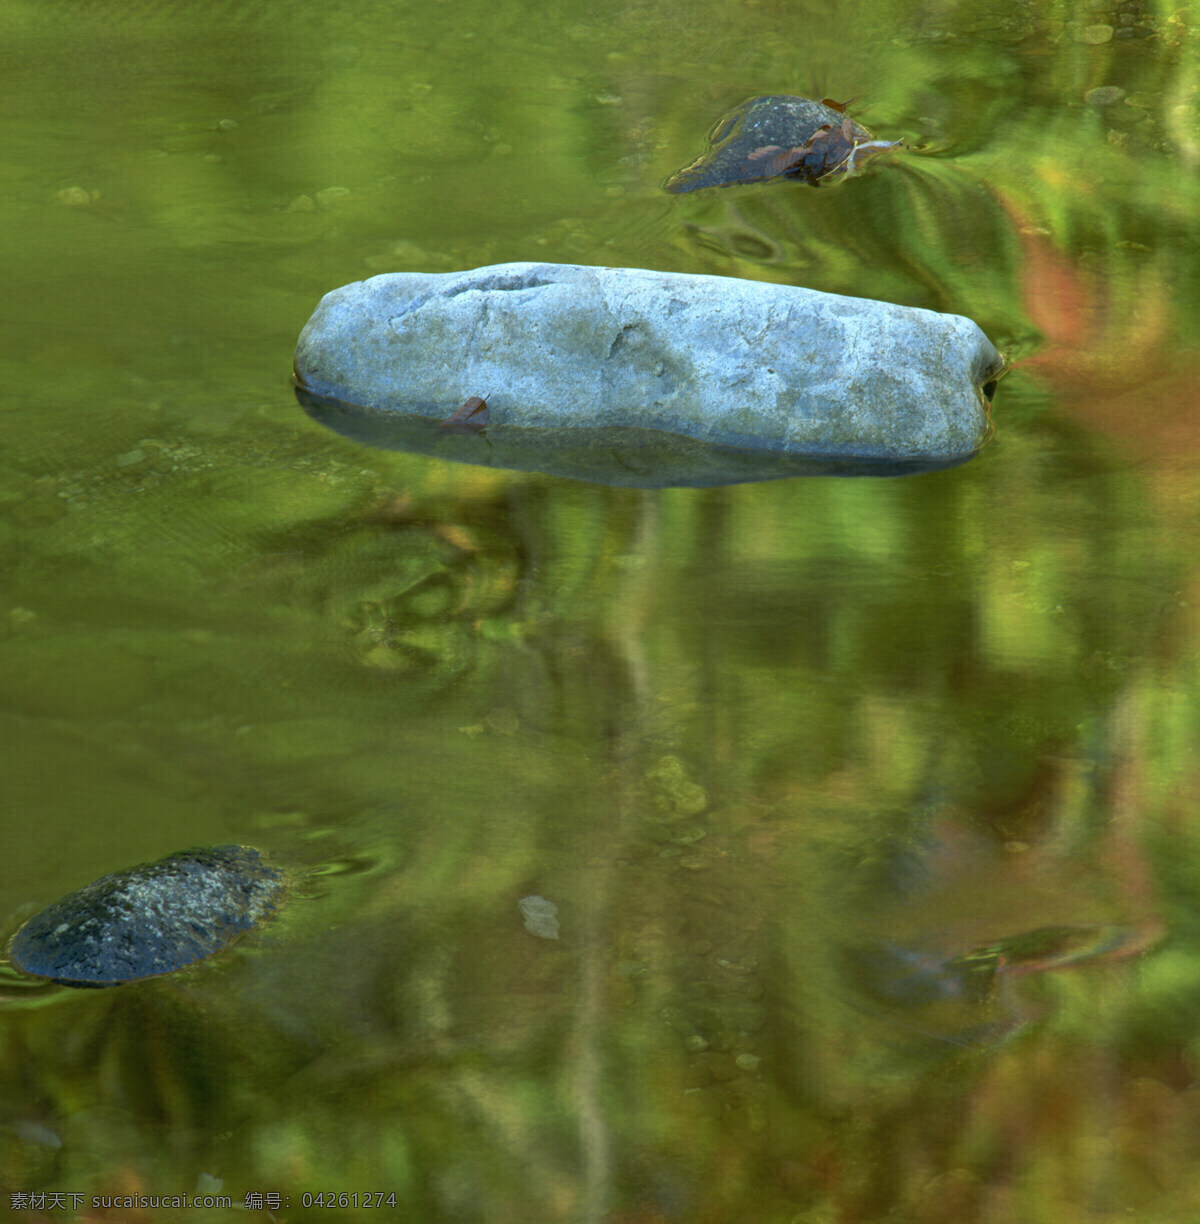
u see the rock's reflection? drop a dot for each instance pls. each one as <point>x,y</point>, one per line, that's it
<point>613,455</point>
<point>967,999</point>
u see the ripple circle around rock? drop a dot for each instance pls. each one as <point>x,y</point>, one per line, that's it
<point>150,919</point>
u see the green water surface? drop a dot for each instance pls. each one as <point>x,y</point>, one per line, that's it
<point>868,806</point>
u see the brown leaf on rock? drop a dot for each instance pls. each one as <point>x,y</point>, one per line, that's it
<point>821,155</point>
<point>824,153</point>
<point>775,160</point>
<point>472,415</point>
<point>783,162</point>
<point>829,148</point>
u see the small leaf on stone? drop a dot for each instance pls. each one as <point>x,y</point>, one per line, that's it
<point>473,415</point>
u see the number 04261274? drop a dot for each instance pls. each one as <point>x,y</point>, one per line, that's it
<point>346,1198</point>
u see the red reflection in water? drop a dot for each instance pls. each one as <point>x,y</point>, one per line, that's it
<point>1110,351</point>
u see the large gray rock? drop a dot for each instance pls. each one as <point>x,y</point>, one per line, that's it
<point>626,376</point>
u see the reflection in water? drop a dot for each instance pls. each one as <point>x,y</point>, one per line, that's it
<point>719,773</point>
<point>611,455</point>
<point>736,236</point>
<point>956,1000</point>
<point>862,803</point>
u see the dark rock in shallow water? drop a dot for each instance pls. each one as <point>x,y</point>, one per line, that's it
<point>151,919</point>
<point>781,136</point>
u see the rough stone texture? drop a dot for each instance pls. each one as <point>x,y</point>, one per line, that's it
<point>688,374</point>
<point>150,919</point>
<point>775,121</point>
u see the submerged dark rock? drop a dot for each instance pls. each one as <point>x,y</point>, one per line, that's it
<point>781,136</point>
<point>150,919</point>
